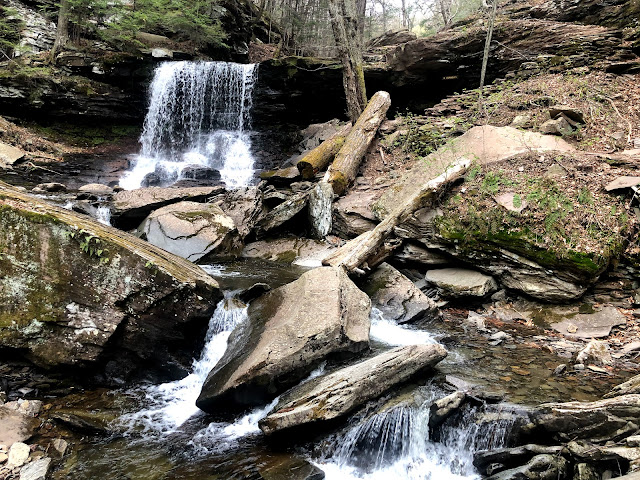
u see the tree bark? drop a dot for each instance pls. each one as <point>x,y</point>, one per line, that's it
<point>62,30</point>
<point>344,169</point>
<point>318,158</point>
<point>357,254</point>
<point>344,22</point>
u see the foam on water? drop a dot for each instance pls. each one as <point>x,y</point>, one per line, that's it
<point>391,333</point>
<point>103,214</point>
<point>198,116</point>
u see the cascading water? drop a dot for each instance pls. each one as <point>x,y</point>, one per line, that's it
<point>198,117</point>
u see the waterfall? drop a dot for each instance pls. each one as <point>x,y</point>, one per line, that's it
<point>198,119</point>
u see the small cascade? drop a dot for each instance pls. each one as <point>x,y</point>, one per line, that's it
<point>198,120</point>
<point>103,214</point>
<point>169,405</point>
<point>391,333</point>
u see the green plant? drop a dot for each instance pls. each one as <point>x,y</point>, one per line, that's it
<point>90,244</point>
<point>585,197</point>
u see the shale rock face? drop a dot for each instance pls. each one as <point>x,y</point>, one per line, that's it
<point>75,292</point>
<point>195,231</point>
<point>331,396</point>
<point>290,331</point>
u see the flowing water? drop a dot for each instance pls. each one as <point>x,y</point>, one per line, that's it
<point>198,119</point>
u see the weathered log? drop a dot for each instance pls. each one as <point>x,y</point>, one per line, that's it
<point>355,254</point>
<point>344,169</point>
<point>318,158</point>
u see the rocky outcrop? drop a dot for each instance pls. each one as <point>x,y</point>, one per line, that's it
<point>334,395</point>
<point>630,386</point>
<point>244,206</point>
<point>131,207</point>
<point>76,292</point>
<point>195,231</point>
<point>292,249</point>
<point>396,296</point>
<point>352,213</point>
<point>460,282</point>
<point>290,331</point>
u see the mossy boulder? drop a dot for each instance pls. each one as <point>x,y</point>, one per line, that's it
<point>78,293</point>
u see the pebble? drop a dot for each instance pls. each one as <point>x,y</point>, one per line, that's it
<point>18,454</point>
<point>560,369</point>
<point>579,366</point>
<point>60,445</point>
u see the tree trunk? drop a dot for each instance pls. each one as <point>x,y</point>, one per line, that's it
<point>318,158</point>
<point>405,23</point>
<point>357,254</point>
<point>62,30</point>
<point>344,22</point>
<point>344,169</point>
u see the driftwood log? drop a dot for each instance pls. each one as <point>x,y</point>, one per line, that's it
<point>357,254</point>
<point>318,158</point>
<point>345,167</point>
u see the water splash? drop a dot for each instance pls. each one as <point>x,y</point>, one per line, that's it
<point>391,333</point>
<point>169,405</point>
<point>103,214</point>
<point>199,114</point>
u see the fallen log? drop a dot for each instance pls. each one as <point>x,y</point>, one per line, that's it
<point>355,256</point>
<point>318,158</point>
<point>344,169</point>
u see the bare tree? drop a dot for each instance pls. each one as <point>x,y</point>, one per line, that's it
<point>62,30</point>
<point>344,21</point>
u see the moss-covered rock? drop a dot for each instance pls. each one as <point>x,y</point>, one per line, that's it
<point>75,292</point>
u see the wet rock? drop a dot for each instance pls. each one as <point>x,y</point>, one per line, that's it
<point>85,421</point>
<point>59,447</point>
<point>51,187</point>
<point>334,395</point>
<point>460,282</point>
<point>441,409</point>
<point>15,426</point>
<point>510,457</point>
<point>631,386</point>
<point>36,470</point>
<point>18,455</point>
<point>283,212</point>
<point>9,155</point>
<point>253,292</point>
<point>559,126</point>
<point>396,296</point>
<point>598,421</point>
<point>130,207</point>
<point>590,325</point>
<point>285,467</point>
<point>595,352</point>
<point>290,331</point>
<point>195,231</point>
<point>86,281</point>
<point>540,467</point>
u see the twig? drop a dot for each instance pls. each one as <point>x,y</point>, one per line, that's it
<point>32,165</point>
<point>382,156</point>
<point>526,57</point>
<point>625,119</point>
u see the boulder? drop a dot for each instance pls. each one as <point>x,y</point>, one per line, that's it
<point>442,408</point>
<point>15,426</point>
<point>413,253</point>
<point>9,155</point>
<point>559,126</point>
<point>590,325</point>
<point>283,212</point>
<point>76,292</point>
<point>296,250</point>
<point>282,177</point>
<point>244,206</point>
<point>540,467</point>
<point>484,144</point>
<point>487,460</point>
<point>18,455</point>
<point>598,422</point>
<point>195,231</point>
<point>130,207</point>
<point>630,386</point>
<point>52,187</point>
<point>396,296</point>
<point>572,114</point>
<point>97,189</point>
<point>290,331</point>
<point>352,213</point>
<point>460,282</point>
<point>36,470</point>
<point>334,395</point>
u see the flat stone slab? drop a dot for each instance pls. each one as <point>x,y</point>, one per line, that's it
<point>334,395</point>
<point>15,426</point>
<point>591,325</point>
<point>622,182</point>
<point>9,155</point>
<point>460,282</point>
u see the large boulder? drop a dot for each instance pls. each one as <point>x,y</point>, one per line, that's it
<point>15,426</point>
<point>331,396</point>
<point>290,331</point>
<point>397,297</point>
<point>461,282</point>
<point>76,292</point>
<point>130,207</point>
<point>195,231</point>
<point>244,206</point>
<point>597,422</point>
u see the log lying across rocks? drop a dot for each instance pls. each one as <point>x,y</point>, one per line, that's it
<point>345,167</point>
<point>318,158</point>
<point>357,254</point>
